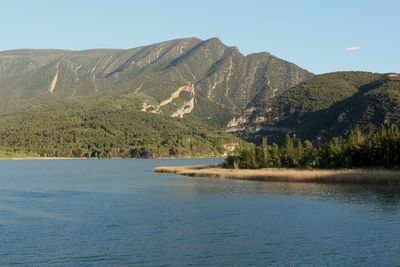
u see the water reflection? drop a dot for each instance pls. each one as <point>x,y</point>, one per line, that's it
<point>384,196</point>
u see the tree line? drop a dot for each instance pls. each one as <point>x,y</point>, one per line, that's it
<point>378,149</point>
<point>104,132</point>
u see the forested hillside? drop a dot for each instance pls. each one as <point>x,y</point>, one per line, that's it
<point>327,105</point>
<point>110,128</point>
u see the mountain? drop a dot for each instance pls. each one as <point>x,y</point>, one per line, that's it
<point>325,106</point>
<point>168,99</point>
<point>203,80</point>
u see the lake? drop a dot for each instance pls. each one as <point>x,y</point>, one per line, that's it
<point>118,212</point>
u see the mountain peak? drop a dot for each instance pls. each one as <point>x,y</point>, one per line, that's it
<point>213,39</point>
<point>202,79</point>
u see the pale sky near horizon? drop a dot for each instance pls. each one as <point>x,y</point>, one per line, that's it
<point>321,36</point>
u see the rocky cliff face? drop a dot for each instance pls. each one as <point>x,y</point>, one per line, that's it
<point>204,80</point>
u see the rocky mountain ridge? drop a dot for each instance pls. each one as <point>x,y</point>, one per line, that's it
<point>203,80</point>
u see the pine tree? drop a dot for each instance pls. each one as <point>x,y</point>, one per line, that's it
<point>248,158</point>
<point>308,157</point>
<point>288,152</point>
<point>355,139</point>
<point>259,157</point>
<point>275,157</point>
<point>299,153</point>
<point>335,153</point>
<point>264,146</point>
<point>354,153</point>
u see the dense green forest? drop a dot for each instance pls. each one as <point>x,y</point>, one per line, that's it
<point>110,128</point>
<point>379,149</point>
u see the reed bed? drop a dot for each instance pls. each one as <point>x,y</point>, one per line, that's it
<point>344,176</point>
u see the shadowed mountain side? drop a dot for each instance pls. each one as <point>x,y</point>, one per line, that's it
<point>327,105</point>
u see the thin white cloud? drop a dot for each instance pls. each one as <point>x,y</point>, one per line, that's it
<point>353,48</point>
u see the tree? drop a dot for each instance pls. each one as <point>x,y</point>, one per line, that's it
<point>354,144</point>
<point>260,155</point>
<point>335,153</point>
<point>299,153</point>
<point>308,157</point>
<point>382,149</point>
<point>264,154</point>
<point>355,139</point>
<point>288,152</point>
<point>248,158</point>
<point>275,157</point>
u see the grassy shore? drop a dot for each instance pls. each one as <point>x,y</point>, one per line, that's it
<point>345,176</point>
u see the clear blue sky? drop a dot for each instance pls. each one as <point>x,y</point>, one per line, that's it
<point>318,35</point>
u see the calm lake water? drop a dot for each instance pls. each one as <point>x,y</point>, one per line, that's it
<point>103,212</point>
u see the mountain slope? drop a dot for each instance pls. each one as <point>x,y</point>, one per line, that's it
<point>203,80</point>
<point>109,128</point>
<point>326,105</point>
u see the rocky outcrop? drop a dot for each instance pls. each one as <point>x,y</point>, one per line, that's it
<point>205,80</point>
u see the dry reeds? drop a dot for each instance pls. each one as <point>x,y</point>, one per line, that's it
<point>344,176</point>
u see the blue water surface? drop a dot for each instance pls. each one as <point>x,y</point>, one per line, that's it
<point>119,212</point>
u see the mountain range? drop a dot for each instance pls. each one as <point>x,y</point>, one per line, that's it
<point>101,101</point>
<point>203,80</point>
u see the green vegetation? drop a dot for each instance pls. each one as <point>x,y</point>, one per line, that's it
<point>107,128</point>
<point>327,105</point>
<point>88,103</point>
<point>380,149</point>
<point>225,80</point>
<point>58,103</point>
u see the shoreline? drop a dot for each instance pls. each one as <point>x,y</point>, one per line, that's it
<point>67,158</point>
<point>40,158</point>
<point>341,176</point>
